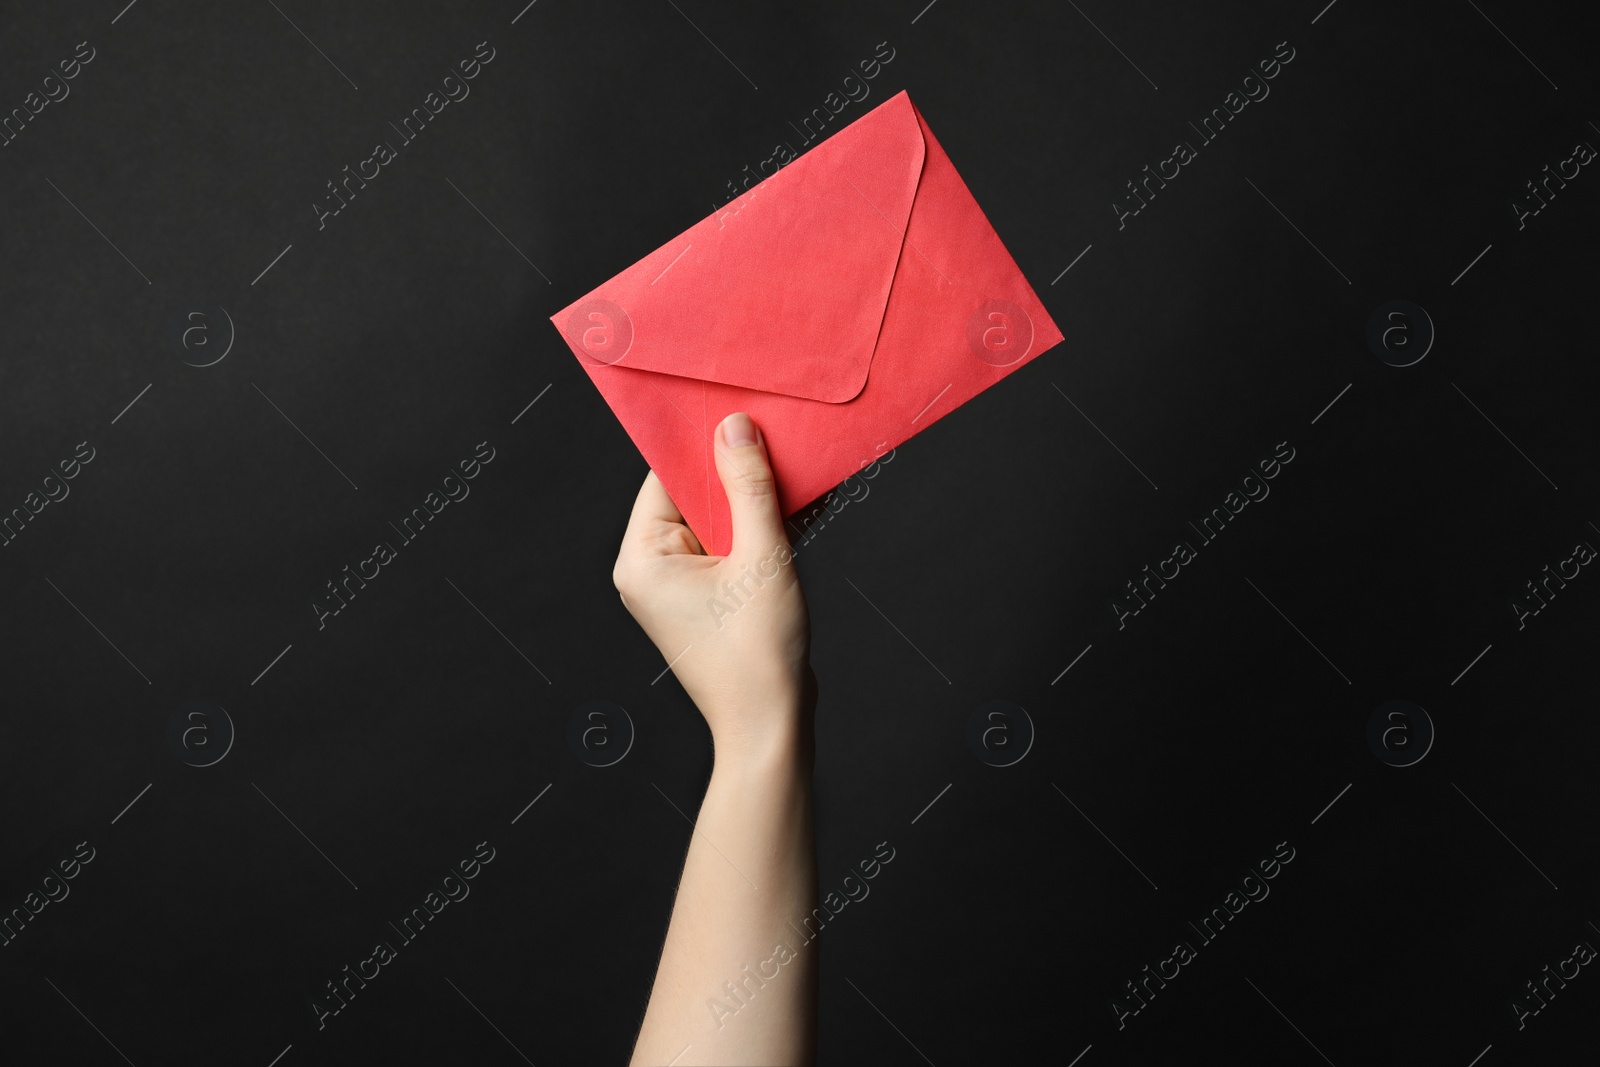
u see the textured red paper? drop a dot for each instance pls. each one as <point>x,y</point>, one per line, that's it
<point>847,302</point>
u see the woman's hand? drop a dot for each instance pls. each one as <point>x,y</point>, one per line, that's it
<point>735,631</point>
<point>733,627</point>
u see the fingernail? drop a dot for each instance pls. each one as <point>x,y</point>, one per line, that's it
<point>738,430</point>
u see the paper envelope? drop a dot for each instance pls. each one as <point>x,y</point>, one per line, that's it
<point>850,300</point>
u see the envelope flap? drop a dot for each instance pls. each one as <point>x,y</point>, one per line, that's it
<point>784,288</point>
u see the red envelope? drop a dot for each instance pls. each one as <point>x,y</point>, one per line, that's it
<point>847,302</point>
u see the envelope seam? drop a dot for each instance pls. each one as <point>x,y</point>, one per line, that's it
<point>711,509</point>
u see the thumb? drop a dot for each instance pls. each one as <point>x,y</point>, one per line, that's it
<point>747,479</point>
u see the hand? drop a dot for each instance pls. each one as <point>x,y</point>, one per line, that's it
<point>734,627</point>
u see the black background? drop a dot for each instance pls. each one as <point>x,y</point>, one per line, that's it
<point>1222,720</point>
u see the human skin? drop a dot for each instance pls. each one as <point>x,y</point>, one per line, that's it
<point>750,872</point>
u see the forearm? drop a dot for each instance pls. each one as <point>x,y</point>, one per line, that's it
<point>737,983</point>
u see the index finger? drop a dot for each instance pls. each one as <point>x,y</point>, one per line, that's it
<point>652,510</point>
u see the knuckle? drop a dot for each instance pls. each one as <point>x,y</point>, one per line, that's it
<point>622,576</point>
<point>754,484</point>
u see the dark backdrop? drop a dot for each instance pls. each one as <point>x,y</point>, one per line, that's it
<point>162,207</point>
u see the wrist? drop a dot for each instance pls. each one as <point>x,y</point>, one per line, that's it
<point>769,738</point>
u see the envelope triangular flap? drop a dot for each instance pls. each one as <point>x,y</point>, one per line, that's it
<point>760,294</point>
